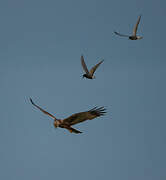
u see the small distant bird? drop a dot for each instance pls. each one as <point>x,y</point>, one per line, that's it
<point>134,35</point>
<point>75,118</point>
<point>89,74</point>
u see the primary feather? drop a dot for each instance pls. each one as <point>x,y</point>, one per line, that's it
<point>83,116</point>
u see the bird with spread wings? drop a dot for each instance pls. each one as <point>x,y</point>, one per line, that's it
<point>134,34</point>
<point>89,74</point>
<point>75,118</point>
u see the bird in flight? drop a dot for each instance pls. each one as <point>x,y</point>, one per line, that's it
<point>89,74</point>
<point>76,118</point>
<point>134,35</point>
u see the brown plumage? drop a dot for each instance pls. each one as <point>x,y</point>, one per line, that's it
<point>75,118</point>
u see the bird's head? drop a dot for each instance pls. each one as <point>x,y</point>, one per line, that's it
<point>56,123</point>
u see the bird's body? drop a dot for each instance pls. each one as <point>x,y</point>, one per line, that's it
<point>134,34</point>
<point>75,118</point>
<point>89,74</point>
<point>133,37</point>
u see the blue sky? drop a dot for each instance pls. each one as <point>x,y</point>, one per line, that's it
<point>40,47</point>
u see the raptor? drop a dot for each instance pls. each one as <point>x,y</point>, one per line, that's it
<point>76,118</point>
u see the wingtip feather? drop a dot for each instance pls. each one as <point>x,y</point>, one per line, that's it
<point>31,100</point>
<point>99,111</point>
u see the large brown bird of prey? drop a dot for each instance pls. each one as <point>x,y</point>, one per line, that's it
<point>75,118</point>
<point>89,74</point>
<point>134,35</point>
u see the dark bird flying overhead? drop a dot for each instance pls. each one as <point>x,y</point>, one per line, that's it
<point>89,74</point>
<point>134,35</point>
<point>76,118</point>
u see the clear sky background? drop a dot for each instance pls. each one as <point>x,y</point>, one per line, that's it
<point>40,47</point>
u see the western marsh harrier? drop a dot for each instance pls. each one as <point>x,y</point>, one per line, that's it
<point>75,118</point>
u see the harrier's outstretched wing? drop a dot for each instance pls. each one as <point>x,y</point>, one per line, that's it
<point>84,65</point>
<point>136,26</point>
<point>83,116</point>
<point>45,112</point>
<point>123,35</point>
<point>93,69</point>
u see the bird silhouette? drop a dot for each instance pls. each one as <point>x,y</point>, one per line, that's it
<point>75,118</point>
<point>134,34</point>
<point>89,74</point>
